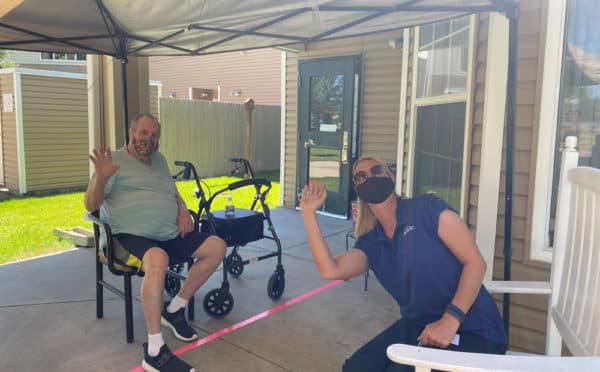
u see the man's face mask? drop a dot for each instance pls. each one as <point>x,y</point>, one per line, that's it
<point>144,148</point>
<point>373,189</point>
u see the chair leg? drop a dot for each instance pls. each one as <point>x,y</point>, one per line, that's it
<point>99,290</point>
<point>366,279</point>
<point>128,307</point>
<point>191,310</point>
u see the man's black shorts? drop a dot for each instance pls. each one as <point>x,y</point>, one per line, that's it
<point>179,249</point>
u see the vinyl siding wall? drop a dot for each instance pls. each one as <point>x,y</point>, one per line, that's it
<point>9,136</point>
<point>55,131</point>
<point>379,98</point>
<point>34,60</point>
<point>528,313</point>
<point>78,69</point>
<point>55,128</point>
<point>256,73</point>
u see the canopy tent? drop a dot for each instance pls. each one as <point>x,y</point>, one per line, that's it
<point>122,28</point>
<point>195,27</point>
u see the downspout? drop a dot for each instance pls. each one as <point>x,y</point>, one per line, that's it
<point>511,102</point>
<point>123,59</point>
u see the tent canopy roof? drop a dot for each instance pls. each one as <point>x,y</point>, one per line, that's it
<point>124,28</point>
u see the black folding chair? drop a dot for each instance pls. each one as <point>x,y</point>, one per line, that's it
<point>108,255</point>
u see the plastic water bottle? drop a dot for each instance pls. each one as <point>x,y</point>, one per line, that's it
<point>229,206</point>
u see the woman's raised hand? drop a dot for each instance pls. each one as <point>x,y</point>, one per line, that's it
<point>313,196</point>
<point>103,164</point>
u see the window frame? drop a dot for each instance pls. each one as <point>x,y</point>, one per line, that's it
<point>548,122</point>
<point>62,61</point>
<point>465,96</point>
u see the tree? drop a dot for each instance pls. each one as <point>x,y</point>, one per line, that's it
<point>5,59</point>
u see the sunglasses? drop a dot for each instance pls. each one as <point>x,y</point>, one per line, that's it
<point>360,176</point>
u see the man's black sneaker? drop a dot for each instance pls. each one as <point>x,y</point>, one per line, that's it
<point>176,321</point>
<point>165,361</point>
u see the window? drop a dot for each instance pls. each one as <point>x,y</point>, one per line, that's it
<point>439,151</point>
<point>57,56</point>
<point>443,51</point>
<point>441,110</point>
<point>573,70</point>
<point>326,102</point>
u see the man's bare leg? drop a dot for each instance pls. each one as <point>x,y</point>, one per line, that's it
<point>154,265</point>
<point>210,254</point>
<point>157,355</point>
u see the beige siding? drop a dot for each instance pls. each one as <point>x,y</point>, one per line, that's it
<point>379,101</point>
<point>34,60</point>
<point>477,121</point>
<point>256,73</point>
<point>78,69</point>
<point>55,131</point>
<point>528,317</point>
<point>9,136</point>
<point>291,129</point>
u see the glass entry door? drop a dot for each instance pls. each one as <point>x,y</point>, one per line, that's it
<point>327,127</point>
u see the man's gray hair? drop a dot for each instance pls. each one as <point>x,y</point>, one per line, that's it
<point>134,122</point>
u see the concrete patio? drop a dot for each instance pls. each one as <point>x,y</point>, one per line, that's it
<point>48,314</point>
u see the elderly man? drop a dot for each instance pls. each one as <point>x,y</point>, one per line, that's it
<point>135,193</point>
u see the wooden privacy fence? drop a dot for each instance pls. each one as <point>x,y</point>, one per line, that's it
<point>209,133</point>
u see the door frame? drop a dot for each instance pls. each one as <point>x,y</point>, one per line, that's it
<point>354,127</point>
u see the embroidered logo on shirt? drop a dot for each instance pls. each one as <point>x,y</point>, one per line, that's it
<point>408,229</point>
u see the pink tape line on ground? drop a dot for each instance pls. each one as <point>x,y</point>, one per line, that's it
<point>243,323</point>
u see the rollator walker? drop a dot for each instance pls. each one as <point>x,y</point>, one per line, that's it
<point>239,229</point>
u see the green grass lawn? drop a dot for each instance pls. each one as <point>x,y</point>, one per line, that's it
<point>27,223</point>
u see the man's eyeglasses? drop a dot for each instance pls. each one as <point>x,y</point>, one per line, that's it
<point>360,176</point>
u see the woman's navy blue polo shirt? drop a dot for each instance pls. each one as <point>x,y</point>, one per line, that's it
<point>421,273</point>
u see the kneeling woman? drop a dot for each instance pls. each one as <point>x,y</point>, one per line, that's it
<point>424,255</point>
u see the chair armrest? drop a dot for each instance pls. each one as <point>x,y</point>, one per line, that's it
<point>425,359</point>
<point>98,224</point>
<point>526,287</point>
<point>92,216</point>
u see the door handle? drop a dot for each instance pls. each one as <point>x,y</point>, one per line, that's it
<point>345,148</point>
<point>309,143</point>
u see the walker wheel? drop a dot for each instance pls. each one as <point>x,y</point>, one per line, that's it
<point>172,284</point>
<point>276,285</point>
<point>218,303</point>
<point>235,264</point>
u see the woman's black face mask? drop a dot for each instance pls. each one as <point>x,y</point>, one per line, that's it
<point>375,190</point>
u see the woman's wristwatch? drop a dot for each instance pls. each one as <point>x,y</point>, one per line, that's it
<point>456,312</point>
